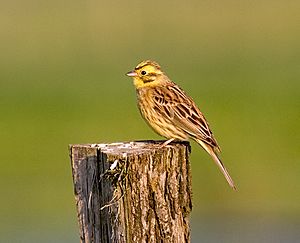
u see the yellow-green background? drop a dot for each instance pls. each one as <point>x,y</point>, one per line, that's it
<point>62,66</point>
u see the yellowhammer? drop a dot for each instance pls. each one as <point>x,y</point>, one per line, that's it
<point>170,112</point>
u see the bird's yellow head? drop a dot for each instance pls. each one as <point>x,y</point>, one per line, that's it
<point>146,74</point>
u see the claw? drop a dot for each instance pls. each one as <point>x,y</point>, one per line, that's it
<point>166,143</point>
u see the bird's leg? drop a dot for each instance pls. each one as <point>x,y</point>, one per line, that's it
<point>167,142</point>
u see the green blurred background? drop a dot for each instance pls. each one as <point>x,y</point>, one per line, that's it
<point>62,81</point>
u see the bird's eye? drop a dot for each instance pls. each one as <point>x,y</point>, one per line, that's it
<point>143,72</point>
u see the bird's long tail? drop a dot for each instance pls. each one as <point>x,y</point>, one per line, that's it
<point>218,162</point>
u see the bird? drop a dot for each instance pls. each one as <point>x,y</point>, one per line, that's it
<point>171,112</point>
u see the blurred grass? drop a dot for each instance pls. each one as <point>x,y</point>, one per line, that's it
<point>62,81</point>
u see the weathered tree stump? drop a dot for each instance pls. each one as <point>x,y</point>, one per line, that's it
<point>132,192</point>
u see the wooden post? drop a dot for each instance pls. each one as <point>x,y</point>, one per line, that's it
<point>132,192</point>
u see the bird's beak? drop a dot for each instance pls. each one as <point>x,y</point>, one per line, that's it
<point>131,74</point>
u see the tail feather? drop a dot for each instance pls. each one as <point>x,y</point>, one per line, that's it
<point>218,162</point>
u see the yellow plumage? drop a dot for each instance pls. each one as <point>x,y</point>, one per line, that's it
<point>172,113</point>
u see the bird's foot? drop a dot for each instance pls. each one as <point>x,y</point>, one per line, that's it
<point>166,143</point>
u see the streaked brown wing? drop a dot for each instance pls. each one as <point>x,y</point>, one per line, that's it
<point>182,111</point>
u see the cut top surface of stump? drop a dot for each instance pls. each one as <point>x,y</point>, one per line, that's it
<point>134,147</point>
